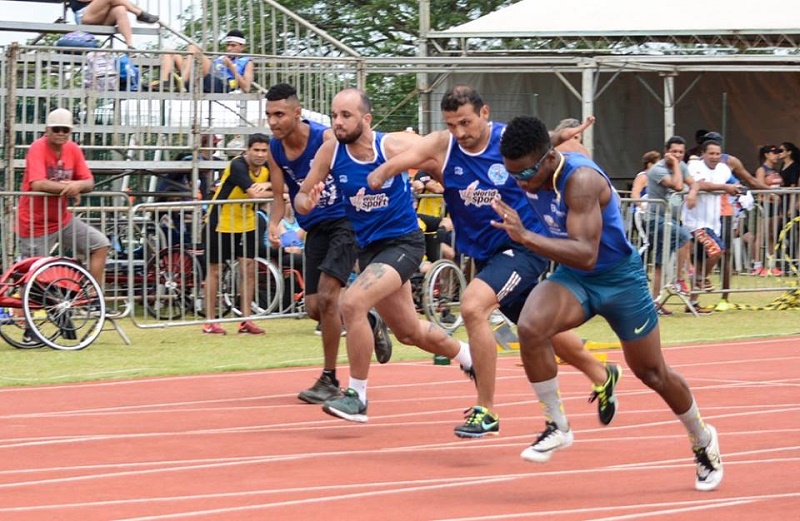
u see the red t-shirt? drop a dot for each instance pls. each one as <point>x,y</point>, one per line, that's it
<point>37,216</point>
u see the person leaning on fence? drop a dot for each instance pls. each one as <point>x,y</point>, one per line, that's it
<point>231,229</point>
<point>229,72</point>
<point>111,13</point>
<point>56,165</point>
<point>668,181</point>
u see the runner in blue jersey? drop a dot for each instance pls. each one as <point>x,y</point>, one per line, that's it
<point>466,160</point>
<point>330,249</point>
<point>392,245</point>
<point>599,273</point>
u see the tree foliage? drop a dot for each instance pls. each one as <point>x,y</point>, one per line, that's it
<point>374,28</point>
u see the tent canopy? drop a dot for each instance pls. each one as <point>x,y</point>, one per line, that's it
<point>632,17</point>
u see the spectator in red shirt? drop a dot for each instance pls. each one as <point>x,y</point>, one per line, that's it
<point>55,165</point>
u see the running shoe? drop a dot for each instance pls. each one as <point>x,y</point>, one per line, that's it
<point>480,422</point>
<point>709,463</point>
<point>604,394</point>
<point>147,18</point>
<point>324,389</point>
<point>348,406</point>
<point>383,342</point>
<point>549,441</point>
<point>682,287</point>
<point>249,328</point>
<point>214,329</point>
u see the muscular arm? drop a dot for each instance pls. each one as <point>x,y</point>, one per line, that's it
<point>744,176</point>
<point>405,150</point>
<point>277,209</point>
<point>585,195</point>
<point>312,186</point>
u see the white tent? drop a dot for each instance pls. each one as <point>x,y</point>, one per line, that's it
<point>647,70</point>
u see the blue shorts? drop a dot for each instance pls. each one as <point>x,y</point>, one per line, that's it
<point>620,295</point>
<point>656,229</point>
<point>512,273</point>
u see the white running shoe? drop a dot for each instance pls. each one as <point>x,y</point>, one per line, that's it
<point>709,463</point>
<point>549,441</point>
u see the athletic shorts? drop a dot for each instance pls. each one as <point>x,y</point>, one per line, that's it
<point>76,238</point>
<point>330,248</point>
<point>620,295</point>
<point>707,243</point>
<point>223,246</point>
<point>512,273</point>
<point>404,254</point>
<point>656,229</point>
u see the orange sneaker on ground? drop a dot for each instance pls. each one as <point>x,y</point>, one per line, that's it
<point>250,328</point>
<point>214,329</point>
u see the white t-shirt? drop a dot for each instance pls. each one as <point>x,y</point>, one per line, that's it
<point>706,213</point>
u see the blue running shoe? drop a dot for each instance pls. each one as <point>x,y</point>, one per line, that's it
<point>480,422</point>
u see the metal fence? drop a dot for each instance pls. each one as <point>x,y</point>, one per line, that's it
<point>157,267</point>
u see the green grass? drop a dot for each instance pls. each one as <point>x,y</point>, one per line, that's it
<point>291,342</point>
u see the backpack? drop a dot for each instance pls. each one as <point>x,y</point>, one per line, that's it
<point>80,39</point>
<point>128,74</point>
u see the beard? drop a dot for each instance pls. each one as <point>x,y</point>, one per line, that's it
<point>352,137</point>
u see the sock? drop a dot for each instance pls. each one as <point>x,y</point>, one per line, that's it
<point>698,434</point>
<point>464,357</point>
<point>331,373</point>
<point>360,387</point>
<point>550,399</point>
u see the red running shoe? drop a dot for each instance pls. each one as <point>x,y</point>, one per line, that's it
<point>248,327</point>
<point>214,329</point>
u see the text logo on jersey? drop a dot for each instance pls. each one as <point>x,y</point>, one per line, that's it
<point>498,174</point>
<point>471,195</point>
<point>364,202</point>
<point>330,193</point>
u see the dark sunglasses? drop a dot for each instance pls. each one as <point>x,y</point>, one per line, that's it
<point>531,171</point>
<point>781,150</point>
<point>60,130</point>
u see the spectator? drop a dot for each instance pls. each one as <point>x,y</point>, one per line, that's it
<point>206,177</point>
<point>231,71</point>
<point>703,219</point>
<point>56,165</point>
<point>790,169</point>
<point>696,151</point>
<point>668,181</point>
<point>430,211</point>
<point>766,234</point>
<point>231,230</point>
<point>110,12</point>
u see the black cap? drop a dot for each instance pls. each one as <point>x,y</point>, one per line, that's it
<point>713,136</point>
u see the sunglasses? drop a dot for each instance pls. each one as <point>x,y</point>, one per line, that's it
<point>779,151</point>
<point>60,130</point>
<point>531,171</point>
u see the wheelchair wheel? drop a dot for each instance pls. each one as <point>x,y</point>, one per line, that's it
<point>442,288</point>
<point>14,330</point>
<point>171,278</point>
<point>72,301</point>
<point>268,292</point>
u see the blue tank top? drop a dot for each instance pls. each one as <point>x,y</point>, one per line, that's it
<point>331,205</point>
<point>471,182</point>
<point>219,70</point>
<point>375,214</point>
<point>549,205</point>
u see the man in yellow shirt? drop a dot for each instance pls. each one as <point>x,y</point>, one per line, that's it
<point>231,229</point>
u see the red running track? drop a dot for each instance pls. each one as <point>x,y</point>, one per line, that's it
<point>240,446</point>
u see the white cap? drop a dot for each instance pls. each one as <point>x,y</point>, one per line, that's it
<point>59,118</point>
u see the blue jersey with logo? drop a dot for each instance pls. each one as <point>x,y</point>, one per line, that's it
<point>375,214</point>
<point>221,71</point>
<point>550,206</point>
<point>471,181</point>
<point>331,205</point>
